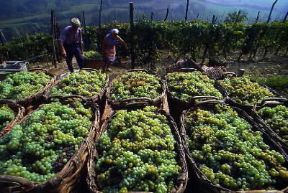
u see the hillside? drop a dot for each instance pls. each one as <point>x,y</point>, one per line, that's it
<point>29,16</point>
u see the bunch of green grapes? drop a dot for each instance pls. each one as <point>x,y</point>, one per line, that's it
<point>135,85</point>
<point>245,92</point>
<point>39,147</point>
<point>229,153</point>
<point>84,83</point>
<point>185,85</point>
<point>6,116</point>
<point>24,84</point>
<point>137,153</point>
<point>277,119</point>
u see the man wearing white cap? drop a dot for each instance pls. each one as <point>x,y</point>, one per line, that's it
<point>71,43</point>
<point>109,47</point>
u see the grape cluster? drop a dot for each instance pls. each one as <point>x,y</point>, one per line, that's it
<point>185,85</point>
<point>6,116</point>
<point>229,153</point>
<point>84,83</point>
<point>277,119</point>
<point>137,153</point>
<point>24,84</point>
<point>135,85</point>
<point>40,146</point>
<point>245,92</point>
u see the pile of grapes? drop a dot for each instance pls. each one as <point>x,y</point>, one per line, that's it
<point>84,83</point>
<point>277,119</point>
<point>229,153</point>
<point>40,146</point>
<point>135,85</point>
<point>185,85</point>
<point>6,116</point>
<point>245,92</point>
<point>93,55</point>
<point>21,85</point>
<point>137,153</point>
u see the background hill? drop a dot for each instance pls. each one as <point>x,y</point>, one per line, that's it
<point>30,16</point>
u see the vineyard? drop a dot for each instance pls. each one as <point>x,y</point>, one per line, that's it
<point>176,113</point>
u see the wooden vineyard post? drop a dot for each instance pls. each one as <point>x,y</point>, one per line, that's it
<point>151,16</point>
<point>284,20</point>
<point>53,39</point>
<point>167,13</point>
<point>271,10</point>
<point>187,9</point>
<point>258,16</point>
<point>131,6</point>
<point>84,36</point>
<point>100,14</point>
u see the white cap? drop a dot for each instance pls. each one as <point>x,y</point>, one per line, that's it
<point>116,31</point>
<point>75,21</point>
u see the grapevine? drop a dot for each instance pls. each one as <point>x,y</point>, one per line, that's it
<point>229,153</point>
<point>185,85</point>
<point>277,119</point>
<point>23,84</point>
<point>137,153</point>
<point>245,92</point>
<point>84,83</point>
<point>40,146</point>
<point>135,85</point>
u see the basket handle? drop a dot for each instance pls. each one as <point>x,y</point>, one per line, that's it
<point>66,97</point>
<point>205,97</point>
<point>210,101</point>
<point>229,74</point>
<point>273,100</point>
<point>16,182</point>
<point>188,69</point>
<point>138,70</point>
<point>38,69</point>
<point>89,69</point>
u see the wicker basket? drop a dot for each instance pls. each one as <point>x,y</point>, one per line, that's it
<point>264,125</point>
<point>67,179</point>
<point>182,177</point>
<point>19,113</point>
<point>39,96</point>
<point>194,169</point>
<point>137,102</point>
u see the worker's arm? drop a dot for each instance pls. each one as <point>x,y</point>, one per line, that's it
<point>121,41</point>
<point>61,41</point>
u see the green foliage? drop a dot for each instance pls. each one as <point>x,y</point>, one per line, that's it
<point>137,153</point>
<point>135,85</point>
<point>229,153</point>
<point>185,85</point>
<point>23,84</point>
<point>6,116</point>
<point>244,91</point>
<point>236,17</point>
<point>275,81</point>
<point>41,145</point>
<point>276,118</point>
<point>84,83</point>
<point>92,55</point>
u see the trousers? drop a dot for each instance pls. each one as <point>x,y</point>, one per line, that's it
<point>71,51</point>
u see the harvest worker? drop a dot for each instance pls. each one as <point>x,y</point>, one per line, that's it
<point>71,43</point>
<point>109,47</point>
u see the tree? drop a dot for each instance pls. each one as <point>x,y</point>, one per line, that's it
<point>236,17</point>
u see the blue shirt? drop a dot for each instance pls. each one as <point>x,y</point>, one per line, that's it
<point>68,36</point>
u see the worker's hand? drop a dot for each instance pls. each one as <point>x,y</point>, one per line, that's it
<point>63,53</point>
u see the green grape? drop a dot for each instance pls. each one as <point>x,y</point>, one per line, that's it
<point>21,85</point>
<point>245,92</point>
<point>40,146</point>
<point>92,55</point>
<point>6,116</point>
<point>135,85</point>
<point>276,118</point>
<point>230,153</point>
<point>137,153</point>
<point>84,83</point>
<point>185,85</point>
